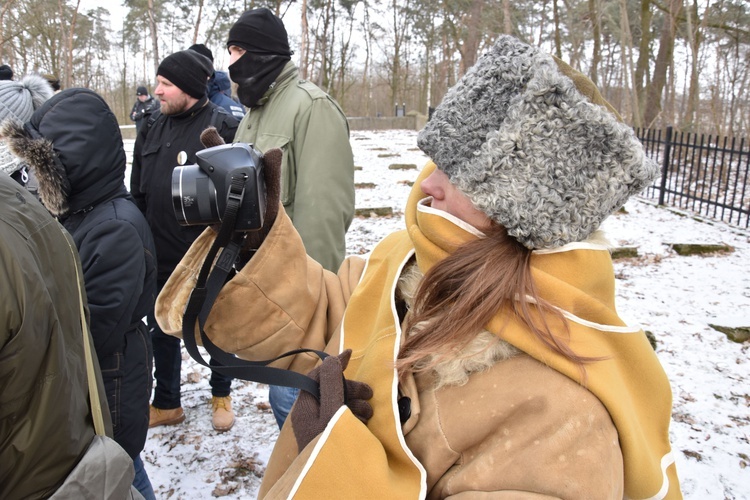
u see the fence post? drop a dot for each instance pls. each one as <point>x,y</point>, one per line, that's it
<point>665,165</point>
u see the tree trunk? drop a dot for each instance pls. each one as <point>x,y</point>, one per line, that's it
<point>154,35</point>
<point>663,60</point>
<point>642,76</point>
<point>627,64</point>
<point>694,35</point>
<point>198,22</point>
<point>556,20</point>
<point>6,6</point>
<point>596,25</point>
<point>366,80</point>
<point>470,47</point>
<point>304,41</point>
<point>396,65</point>
<point>507,20</point>
<point>68,36</point>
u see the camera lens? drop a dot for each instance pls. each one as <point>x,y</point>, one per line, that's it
<point>194,197</point>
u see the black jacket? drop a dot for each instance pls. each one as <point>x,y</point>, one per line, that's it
<point>154,158</point>
<point>142,110</point>
<point>82,182</point>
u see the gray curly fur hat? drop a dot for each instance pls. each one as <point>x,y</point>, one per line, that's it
<point>534,146</point>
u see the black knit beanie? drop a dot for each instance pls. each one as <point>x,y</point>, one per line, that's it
<point>6,73</point>
<point>188,70</point>
<point>259,31</point>
<point>202,49</point>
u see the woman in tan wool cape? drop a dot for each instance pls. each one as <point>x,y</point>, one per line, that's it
<point>487,330</point>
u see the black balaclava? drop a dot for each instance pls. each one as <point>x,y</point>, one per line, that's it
<point>265,41</point>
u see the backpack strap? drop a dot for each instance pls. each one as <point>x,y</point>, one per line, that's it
<point>216,116</point>
<point>152,117</point>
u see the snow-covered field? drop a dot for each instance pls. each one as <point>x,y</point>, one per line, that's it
<point>674,297</point>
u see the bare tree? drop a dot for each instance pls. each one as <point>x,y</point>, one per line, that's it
<point>507,18</point>
<point>694,36</point>
<point>642,73</point>
<point>197,21</point>
<point>627,64</point>
<point>154,29</point>
<point>556,21</point>
<point>653,104</point>
<point>304,40</point>
<point>68,37</point>
<point>3,11</point>
<point>596,30</point>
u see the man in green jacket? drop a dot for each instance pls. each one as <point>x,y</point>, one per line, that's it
<point>287,112</point>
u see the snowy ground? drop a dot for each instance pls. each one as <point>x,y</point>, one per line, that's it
<point>674,297</point>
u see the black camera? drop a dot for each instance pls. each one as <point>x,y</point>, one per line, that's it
<point>200,192</point>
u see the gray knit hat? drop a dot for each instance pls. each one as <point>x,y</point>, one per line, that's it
<point>534,145</point>
<point>18,101</point>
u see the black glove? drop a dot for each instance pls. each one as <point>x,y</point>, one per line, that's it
<point>272,174</point>
<point>310,416</point>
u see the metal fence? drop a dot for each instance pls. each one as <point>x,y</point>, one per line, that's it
<point>707,175</point>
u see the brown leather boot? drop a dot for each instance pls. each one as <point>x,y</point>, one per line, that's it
<point>223,416</point>
<point>157,416</point>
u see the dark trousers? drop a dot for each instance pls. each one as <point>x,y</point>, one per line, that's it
<point>167,366</point>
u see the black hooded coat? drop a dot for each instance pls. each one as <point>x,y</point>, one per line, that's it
<point>73,144</point>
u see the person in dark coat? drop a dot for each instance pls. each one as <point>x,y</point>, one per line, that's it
<point>219,91</point>
<point>185,112</point>
<point>219,86</point>
<point>143,107</point>
<point>74,146</point>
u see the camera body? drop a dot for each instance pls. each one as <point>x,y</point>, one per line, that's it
<point>200,192</point>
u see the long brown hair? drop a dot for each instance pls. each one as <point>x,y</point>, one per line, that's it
<point>459,296</point>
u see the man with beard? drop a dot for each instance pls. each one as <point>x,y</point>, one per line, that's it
<point>287,112</point>
<point>185,112</point>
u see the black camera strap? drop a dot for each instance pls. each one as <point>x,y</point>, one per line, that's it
<point>207,288</point>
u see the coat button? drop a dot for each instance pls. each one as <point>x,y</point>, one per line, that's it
<point>169,144</point>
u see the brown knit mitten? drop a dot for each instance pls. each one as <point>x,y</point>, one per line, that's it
<point>210,137</point>
<point>272,176</point>
<point>310,416</point>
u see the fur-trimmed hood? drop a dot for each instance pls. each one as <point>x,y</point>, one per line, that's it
<point>74,146</point>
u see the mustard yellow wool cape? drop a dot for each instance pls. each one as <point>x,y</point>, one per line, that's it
<point>629,380</point>
<point>354,460</point>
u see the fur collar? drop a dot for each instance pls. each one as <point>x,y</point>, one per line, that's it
<point>479,354</point>
<point>54,186</point>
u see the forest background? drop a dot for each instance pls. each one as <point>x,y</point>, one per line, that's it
<point>684,63</point>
